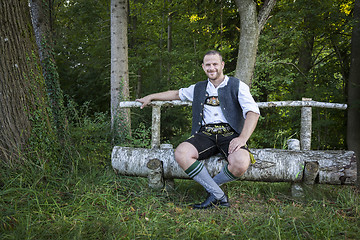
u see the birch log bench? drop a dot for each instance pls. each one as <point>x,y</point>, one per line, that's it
<point>298,164</point>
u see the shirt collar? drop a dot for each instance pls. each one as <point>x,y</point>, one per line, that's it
<point>223,83</point>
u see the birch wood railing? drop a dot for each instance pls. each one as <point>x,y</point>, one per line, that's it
<point>301,165</point>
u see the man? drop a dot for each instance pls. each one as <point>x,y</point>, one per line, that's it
<point>224,117</point>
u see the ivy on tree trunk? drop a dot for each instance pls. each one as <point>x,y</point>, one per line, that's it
<point>25,125</point>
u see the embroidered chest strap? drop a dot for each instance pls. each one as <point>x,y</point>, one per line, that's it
<point>212,101</point>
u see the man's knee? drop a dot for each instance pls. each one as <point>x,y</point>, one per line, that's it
<point>185,151</point>
<point>239,162</point>
<point>185,155</point>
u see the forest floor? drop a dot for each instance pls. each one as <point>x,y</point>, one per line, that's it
<point>84,198</point>
<point>95,203</point>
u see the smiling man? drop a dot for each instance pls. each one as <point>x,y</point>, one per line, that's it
<point>224,115</point>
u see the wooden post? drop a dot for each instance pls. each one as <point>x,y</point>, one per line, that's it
<point>169,183</point>
<point>156,172</point>
<point>305,131</point>
<point>293,144</point>
<point>155,127</point>
<point>311,171</point>
<point>297,190</point>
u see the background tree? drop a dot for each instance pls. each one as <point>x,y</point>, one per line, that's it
<point>251,24</point>
<point>353,128</point>
<point>42,19</point>
<point>25,125</point>
<point>120,118</point>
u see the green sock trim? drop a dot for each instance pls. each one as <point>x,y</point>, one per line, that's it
<point>194,169</point>
<point>228,173</point>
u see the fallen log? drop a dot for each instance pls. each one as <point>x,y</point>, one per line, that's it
<point>272,165</point>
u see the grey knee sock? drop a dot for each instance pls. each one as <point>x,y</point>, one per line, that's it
<point>224,176</point>
<point>199,173</point>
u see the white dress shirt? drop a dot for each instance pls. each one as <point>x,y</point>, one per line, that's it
<point>213,114</point>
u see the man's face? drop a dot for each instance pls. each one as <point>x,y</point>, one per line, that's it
<point>213,66</point>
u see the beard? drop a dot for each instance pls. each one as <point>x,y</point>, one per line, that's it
<point>213,75</point>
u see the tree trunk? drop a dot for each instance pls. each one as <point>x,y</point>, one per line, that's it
<point>272,165</point>
<point>169,41</point>
<point>250,28</point>
<point>301,84</point>
<point>120,118</point>
<point>249,37</point>
<point>42,19</point>
<point>23,98</point>
<point>353,126</point>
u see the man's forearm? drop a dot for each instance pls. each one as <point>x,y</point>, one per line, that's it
<point>165,96</point>
<point>249,125</point>
<point>248,128</point>
<point>162,96</point>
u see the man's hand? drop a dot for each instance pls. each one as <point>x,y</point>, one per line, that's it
<point>248,128</point>
<point>145,101</point>
<point>235,144</point>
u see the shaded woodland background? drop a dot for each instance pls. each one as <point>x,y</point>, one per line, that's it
<point>304,51</point>
<point>56,178</point>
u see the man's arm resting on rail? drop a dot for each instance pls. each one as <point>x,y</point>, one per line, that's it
<point>162,96</point>
<point>249,127</point>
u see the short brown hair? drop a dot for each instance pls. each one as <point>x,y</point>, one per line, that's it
<point>214,52</point>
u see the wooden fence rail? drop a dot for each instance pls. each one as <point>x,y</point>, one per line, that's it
<point>306,115</point>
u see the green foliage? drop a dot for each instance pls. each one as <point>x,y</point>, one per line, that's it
<point>140,137</point>
<point>83,51</point>
<point>71,192</point>
<point>83,48</point>
<point>90,135</point>
<point>279,75</point>
<point>42,144</point>
<point>55,94</point>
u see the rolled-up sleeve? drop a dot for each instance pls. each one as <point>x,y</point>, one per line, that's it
<point>187,94</point>
<point>246,100</point>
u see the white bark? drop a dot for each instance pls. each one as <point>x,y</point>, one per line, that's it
<point>119,61</point>
<point>306,115</point>
<point>305,131</point>
<point>293,144</point>
<point>155,127</point>
<point>302,104</point>
<point>273,165</point>
<point>129,104</point>
<point>331,167</point>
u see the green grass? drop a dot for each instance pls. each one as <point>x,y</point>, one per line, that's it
<point>83,198</point>
<point>95,203</point>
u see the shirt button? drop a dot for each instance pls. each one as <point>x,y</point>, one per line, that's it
<point>199,123</point>
<point>201,114</point>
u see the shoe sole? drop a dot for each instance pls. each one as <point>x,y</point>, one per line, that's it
<point>214,206</point>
